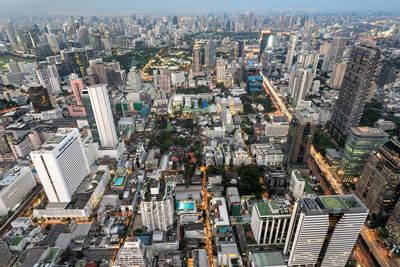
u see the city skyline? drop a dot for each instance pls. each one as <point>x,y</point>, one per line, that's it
<point>48,7</point>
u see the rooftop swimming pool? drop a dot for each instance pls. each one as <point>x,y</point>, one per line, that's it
<point>118,181</point>
<point>185,205</point>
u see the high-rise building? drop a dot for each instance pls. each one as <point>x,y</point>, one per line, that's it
<point>299,84</point>
<point>11,37</point>
<point>301,133</point>
<point>14,187</point>
<point>196,57</point>
<point>157,206</point>
<point>134,79</point>
<point>308,60</point>
<point>77,87</point>
<point>39,98</point>
<point>132,253</point>
<point>393,226</point>
<point>221,70</point>
<point>99,71</point>
<point>290,52</point>
<point>61,164</point>
<point>48,78</point>
<point>100,115</point>
<point>338,75</point>
<point>210,54</point>
<point>379,183</point>
<point>164,79</point>
<point>334,54</point>
<point>354,91</point>
<point>326,231</point>
<point>265,41</point>
<point>360,143</point>
<point>270,223</point>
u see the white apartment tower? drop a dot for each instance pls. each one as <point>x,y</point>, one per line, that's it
<point>61,164</point>
<point>48,78</point>
<point>132,253</point>
<point>220,70</point>
<point>327,229</point>
<point>157,206</point>
<point>290,53</point>
<point>103,114</point>
<point>300,84</point>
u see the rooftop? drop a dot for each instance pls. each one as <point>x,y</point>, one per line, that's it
<point>332,204</point>
<point>365,131</point>
<point>270,258</point>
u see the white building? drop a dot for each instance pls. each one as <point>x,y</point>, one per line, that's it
<point>103,115</point>
<point>221,69</point>
<point>277,130</point>
<point>270,223</point>
<point>241,157</point>
<point>297,184</point>
<point>132,253</point>
<point>220,211</point>
<point>327,229</point>
<point>267,155</point>
<point>48,78</point>
<point>14,187</point>
<point>61,164</point>
<point>157,206</point>
<point>299,84</point>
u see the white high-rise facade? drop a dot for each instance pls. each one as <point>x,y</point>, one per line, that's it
<point>132,253</point>
<point>61,164</point>
<point>48,78</point>
<point>290,53</point>
<point>220,70</point>
<point>327,229</point>
<point>300,84</point>
<point>103,115</point>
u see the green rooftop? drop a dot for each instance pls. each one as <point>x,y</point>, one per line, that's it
<point>265,259</point>
<point>16,241</point>
<point>274,205</point>
<point>332,202</point>
<point>263,209</point>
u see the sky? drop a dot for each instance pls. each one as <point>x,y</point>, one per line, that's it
<point>42,7</point>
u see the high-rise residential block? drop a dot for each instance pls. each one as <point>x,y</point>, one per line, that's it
<point>210,54</point>
<point>48,78</point>
<point>334,53</point>
<point>338,75</point>
<point>354,91</point>
<point>379,183</point>
<point>290,52</point>
<point>196,57</point>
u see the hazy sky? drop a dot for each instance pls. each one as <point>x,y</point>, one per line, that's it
<point>24,7</point>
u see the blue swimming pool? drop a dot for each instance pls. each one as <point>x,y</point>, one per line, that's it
<point>118,181</point>
<point>185,205</point>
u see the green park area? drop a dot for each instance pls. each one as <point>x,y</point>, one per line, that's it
<point>321,142</point>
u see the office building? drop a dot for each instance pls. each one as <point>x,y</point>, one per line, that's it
<point>338,75</point>
<point>393,226</point>
<point>210,55</point>
<point>334,54</point>
<point>164,79</point>
<point>267,155</point>
<point>308,60</point>
<point>48,78</point>
<point>265,41</point>
<point>270,223</point>
<point>290,53</point>
<point>39,98</point>
<point>77,87</point>
<point>61,164</point>
<point>100,115</point>
<point>300,137</point>
<point>326,231</point>
<point>99,71</point>
<point>378,186</point>
<point>14,188</point>
<point>196,58</point>
<point>354,92</point>
<point>277,129</point>
<point>360,143</point>
<point>132,253</point>
<point>157,206</point>
<point>299,84</point>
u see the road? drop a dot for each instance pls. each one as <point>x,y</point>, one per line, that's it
<point>276,97</point>
<point>25,204</point>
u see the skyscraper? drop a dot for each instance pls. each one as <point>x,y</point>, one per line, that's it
<point>265,40</point>
<point>308,60</point>
<point>393,226</point>
<point>164,79</point>
<point>77,87</point>
<point>360,143</point>
<point>220,70</point>
<point>61,164</point>
<point>210,54</point>
<point>39,98</point>
<point>334,54</point>
<point>301,133</point>
<point>354,91</point>
<point>379,184</point>
<point>299,84</point>
<point>326,231</point>
<point>99,71</point>
<point>338,75</point>
<point>48,78</point>
<point>100,115</point>
<point>290,52</point>
<point>196,57</point>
